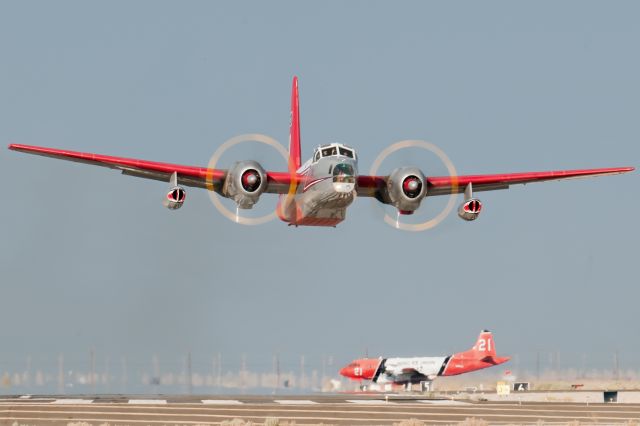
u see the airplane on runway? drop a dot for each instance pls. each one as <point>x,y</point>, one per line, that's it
<point>405,371</point>
<point>319,191</point>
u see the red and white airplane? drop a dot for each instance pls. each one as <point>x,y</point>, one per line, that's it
<point>419,369</point>
<point>318,192</point>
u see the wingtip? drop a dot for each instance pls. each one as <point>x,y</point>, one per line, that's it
<point>17,146</point>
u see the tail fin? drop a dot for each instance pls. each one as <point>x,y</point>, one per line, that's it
<point>481,355</point>
<point>484,347</point>
<point>294,129</point>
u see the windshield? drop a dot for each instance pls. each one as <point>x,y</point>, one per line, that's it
<point>328,152</point>
<point>346,152</point>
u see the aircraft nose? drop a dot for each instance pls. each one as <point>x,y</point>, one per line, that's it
<point>345,371</point>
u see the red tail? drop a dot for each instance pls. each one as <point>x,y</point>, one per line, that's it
<point>286,207</point>
<point>481,355</point>
<point>484,345</point>
<point>294,129</point>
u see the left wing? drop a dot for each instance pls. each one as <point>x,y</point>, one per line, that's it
<point>202,177</point>
<point>372,186</point>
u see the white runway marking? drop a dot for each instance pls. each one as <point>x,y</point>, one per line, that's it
<point>295,401</point>
<point>222,401</point>
<point>147,401</point>
<point>25,396</point>
<point>442,402</point>
<point>72,401</point>
<point>369,401</point>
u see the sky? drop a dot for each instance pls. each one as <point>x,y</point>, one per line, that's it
<point>90,259</point>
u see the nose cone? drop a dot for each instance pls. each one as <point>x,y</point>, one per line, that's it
<point>346,371</point>
<point>343,187</point>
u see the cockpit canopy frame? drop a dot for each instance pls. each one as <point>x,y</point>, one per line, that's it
<point>333,150</point>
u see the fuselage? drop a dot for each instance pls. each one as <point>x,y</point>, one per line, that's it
<point>395,370</point>
<point>402,370</point>
<point>327,189</point>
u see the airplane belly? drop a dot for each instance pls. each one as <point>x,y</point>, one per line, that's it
<point>322,206</point>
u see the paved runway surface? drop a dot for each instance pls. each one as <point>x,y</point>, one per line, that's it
<point>303,410</point>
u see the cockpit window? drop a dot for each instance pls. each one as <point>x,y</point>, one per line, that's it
<point>343,173</point>
<point>317,156</point>
<point>346,152</point>
<point>328,152</point>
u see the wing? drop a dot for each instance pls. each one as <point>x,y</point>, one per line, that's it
<point>373,186</point>
<point>202,177</point>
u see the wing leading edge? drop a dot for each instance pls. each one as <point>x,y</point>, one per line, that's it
<point>201,177</point>
<point>279,182</point>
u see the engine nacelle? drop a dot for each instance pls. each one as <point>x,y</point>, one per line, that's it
<point>175,198</point>
<point>406,188</point>
<point>245,182</point>
<point>470,209</point>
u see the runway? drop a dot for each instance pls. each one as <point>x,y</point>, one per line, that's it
<point>301,410</point>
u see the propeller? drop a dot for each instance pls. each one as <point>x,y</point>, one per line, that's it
<point>249,179</point>
<point>412,186</point>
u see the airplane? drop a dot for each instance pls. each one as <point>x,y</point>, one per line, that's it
<point>405,371</point>
<point>319,191</point>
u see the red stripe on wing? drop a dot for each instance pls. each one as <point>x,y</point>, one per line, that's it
<point>118,162</point>
<point>515,178</point>
<point>280,181</point>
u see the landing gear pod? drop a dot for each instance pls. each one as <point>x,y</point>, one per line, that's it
<point>176,195</point>
<point>471,208</point>
<point>175,198</point>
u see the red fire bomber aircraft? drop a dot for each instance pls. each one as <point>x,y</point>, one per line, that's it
<point>419,369</point>
<point>320,190</point>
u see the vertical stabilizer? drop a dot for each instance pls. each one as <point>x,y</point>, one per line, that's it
<point>485,345</point>
<point>481,355</point>
<point>294,129</point>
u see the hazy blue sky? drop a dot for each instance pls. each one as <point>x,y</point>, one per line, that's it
<point>91,258</point>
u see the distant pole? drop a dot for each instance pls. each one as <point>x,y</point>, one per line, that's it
<point>243,371</point>
<point>616,366</point>
<point>584,366</point>
<point>106,375</point>
<point>28,373</point>
<point>302,378</point>
<point>60,374</point>
<point>124,374</point>
<point>92,379</point>
<point>155,380</point>
<point>538,365</point>
<point>275,373</point>
<point>189,374</point>
<point>213,371</point>
<point>219,378</point>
